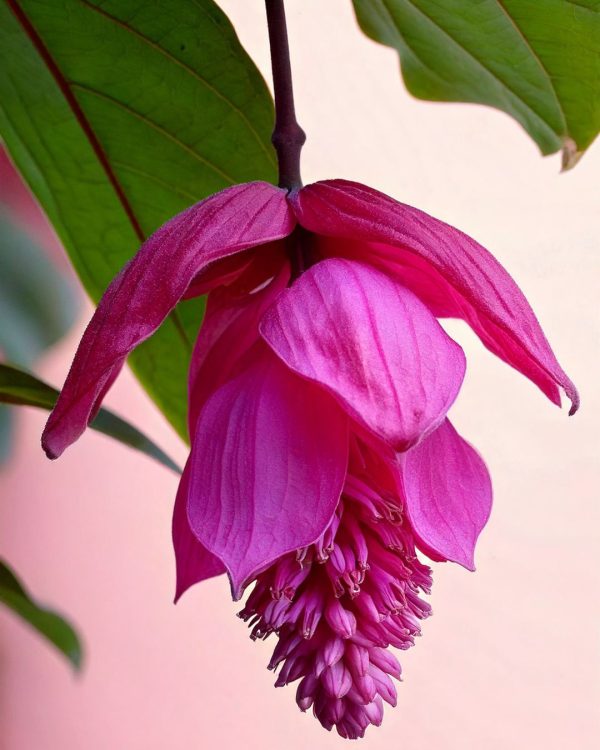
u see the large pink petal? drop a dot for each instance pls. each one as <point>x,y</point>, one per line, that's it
<point>446,267</point>
<point>267,468</point>
<point>193,561</point>
<point>448,495</point>
<point>148,288</point>
<point>229,329</point>
<point>372,343</point>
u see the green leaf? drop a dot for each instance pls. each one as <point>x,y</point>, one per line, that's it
<point>19,387</point>
<point>47,622</point>
<point>119,114</point>
<point>537,61</point>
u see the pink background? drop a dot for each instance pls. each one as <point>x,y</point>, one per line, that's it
<point>511,657</point>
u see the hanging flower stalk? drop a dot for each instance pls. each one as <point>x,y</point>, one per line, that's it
<point>322,458</point>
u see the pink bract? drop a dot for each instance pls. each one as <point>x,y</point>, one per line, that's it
<point>319,388</point>
<point>372,344</point>
<point>151,284</point>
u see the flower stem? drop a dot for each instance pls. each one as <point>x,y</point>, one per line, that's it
<point>288,137</point>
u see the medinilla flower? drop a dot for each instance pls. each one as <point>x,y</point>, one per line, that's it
<point>322,456</point>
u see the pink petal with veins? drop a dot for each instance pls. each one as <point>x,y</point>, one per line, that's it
<point>267,466</point>
<point>440,263</point>
<point>229,329</point>
<point>448,495</point>
<point>372,343</point>
<point>151,284</point>
<point>193,561</point>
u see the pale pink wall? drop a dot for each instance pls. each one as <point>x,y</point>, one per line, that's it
<point>511,658</point>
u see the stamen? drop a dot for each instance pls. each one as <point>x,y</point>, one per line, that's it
<point>339,604</point>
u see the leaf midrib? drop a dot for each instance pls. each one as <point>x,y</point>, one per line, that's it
<point>155,126</point>
<point>537,58</point>
<point>65,88</point>
<point>64,226</point>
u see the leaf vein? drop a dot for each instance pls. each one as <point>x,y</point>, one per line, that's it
<point>536,58</point>
<point>155,126</point>
<point>194,73</point>
<point>488,70</point>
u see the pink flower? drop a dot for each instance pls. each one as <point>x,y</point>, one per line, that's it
<point>322,456</point>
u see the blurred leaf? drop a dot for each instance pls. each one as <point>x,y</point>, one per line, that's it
<point>119,114</point>
<point>537,61</point>
<point>18,387</point>
<point>47,623</point>
<point>37,305</point>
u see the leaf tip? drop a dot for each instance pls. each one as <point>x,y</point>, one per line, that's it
<point>76,658</point>
<point>570,154</point>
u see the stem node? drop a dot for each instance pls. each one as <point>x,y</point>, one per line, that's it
<point>288,137</point>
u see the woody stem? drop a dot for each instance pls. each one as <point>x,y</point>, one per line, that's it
<point>288,137</point>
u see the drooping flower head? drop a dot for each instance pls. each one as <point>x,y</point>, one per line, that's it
<point>322,456</point>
